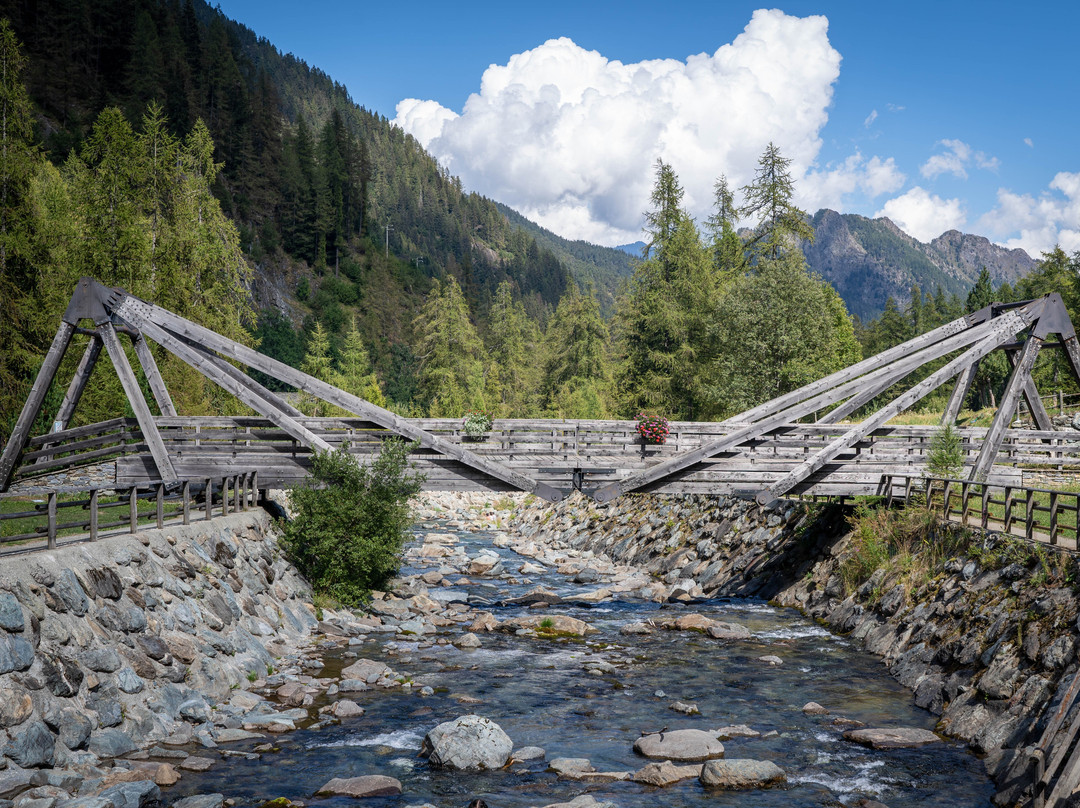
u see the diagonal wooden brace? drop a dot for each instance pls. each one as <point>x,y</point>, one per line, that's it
<point>132,309</point>
<point>988,452</point>
<point>135,398</point>
<point>1004,329</point>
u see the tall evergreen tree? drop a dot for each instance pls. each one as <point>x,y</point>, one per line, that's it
<point>982,293</point>
<point>355,374</point>
<point>451,372</point>
<point>727,248</point>
<point>512,375</point>
<point>577,377</point>
<point>768,198</point>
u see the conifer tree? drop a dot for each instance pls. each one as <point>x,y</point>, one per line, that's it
<point>981,294</point>
<point>317,363</point>
<point>355,374</point>
<point>513,341</point>
<point>727,248</point>
<point>577,379</point>
<point>451,372</point>
<point>768,198</point>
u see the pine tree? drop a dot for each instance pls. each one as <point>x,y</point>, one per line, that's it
<point>317,363</point>
<point>512,375</point>
<point>451,372</point>
<point>355,374</point>
<point>981,294</point>
<point>577,379</point>
<point>662,220</point>
<point>727,247</point>
<point>768,197</point>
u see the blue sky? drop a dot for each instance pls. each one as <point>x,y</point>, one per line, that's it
<point>937,114</point>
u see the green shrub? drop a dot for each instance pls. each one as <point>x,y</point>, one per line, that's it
<point>352,521</point>
<point>946,455</point>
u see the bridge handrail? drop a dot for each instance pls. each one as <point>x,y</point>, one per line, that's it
<point>235,492</point>
<point>1027,512</point>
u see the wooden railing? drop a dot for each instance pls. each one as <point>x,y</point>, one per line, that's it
<point>1045,515</point>
<point>80,446</point>
<point>96,505</point>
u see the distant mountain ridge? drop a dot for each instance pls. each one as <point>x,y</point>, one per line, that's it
<point>871,260</point>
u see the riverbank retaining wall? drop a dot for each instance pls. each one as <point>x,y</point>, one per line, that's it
<point>987,641</point>
<point>116,644</point>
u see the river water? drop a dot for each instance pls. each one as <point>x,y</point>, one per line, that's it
<point>542,693</point>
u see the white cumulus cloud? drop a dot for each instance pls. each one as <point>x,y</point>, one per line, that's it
<point>957,156</point>
<point>1038,223</point>
<point>924,215</point>
<point>570,138</point>
<point>828,187</point>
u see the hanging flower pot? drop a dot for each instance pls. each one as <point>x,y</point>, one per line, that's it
<point>652,428</point>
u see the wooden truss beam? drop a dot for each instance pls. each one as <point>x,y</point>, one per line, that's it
<point>153,375</point>
<point>137,402</point>
<point>145,315</point>
<point>78,382</point>
<point>202,363</point>
<point>32,405</point>
<point>803,407</point>
<point>956,401</point>
<point>992,441</point>
<point>1030,392</point>
<point>1004,328</point>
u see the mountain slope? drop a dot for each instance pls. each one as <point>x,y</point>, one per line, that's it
<point>871,260</point>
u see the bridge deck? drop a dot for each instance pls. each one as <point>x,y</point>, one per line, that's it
<point>550,451</point>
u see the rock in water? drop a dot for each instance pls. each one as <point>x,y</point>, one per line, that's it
<point>892,738</point>
<point>469,743</point>
<point>679,744</point>
<point>741,773</point>
<point>371,785</point>
<point>665,774</point>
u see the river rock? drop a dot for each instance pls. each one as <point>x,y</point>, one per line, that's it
<point>892,738</point>
<point>469,742</point>
<point>584,801</point>
<point>771,660</point>
<point>570,765</point>
<point>551,623</point>
<point>11,615</point>
<point>366,670</point>
<point>201,801</point>
<point>686,708</point>
<point>15,705</point>
<point>813,708</point>
<point>721,630</point>
<point>636,628</point>
<point>142,794</point>
<point>741,773</point>
<point>469,640</point>
<point>528,753</point>
<point>665,774</point>
<point>371,785</point>
<point>679,745</point>
<point>346,708</point>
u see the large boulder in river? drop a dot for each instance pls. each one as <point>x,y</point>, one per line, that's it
<point>680,744</point>
<point>549,624</point>
<point>892,738</point>
<point>741,773</point>
<point>470,743</point>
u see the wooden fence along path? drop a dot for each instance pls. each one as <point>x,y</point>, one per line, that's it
<point>86,512</point>
<point>768,451</point>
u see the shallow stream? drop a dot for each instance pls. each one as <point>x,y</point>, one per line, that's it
<point>542,694</point>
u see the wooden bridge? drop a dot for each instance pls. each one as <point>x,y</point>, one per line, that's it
<point>798,443</point>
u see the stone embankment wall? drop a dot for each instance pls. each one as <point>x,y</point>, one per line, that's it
<point>991,651</point>
<point>128,641</point>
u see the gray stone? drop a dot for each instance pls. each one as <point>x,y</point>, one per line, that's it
<point>129,681</point>
<point>469,742</point>
<point>584,801</point>
<point>529,753</point>
<point>16,654</point>
<point>70,593</point>
<point>139,794</point>
<point>62,676</point>
<point>346,708</point>
<point>105,583</point>
<point>72,725</point>
<point>741,773</point>
<point>201,801</point>
<point>126,618</point>
<point>153,646</point>
<point>11,615</point>
<point>892,738</point>
<point>66,780</point>
<point>103,660</point>
<point>111,743</point>
<point>366,670</point>
<point>570,765</point>
<point>721,630</point>
<point>665,773</point>
<point>371,785</point>
<point>32,747</point>
<point>13,780</point>
<point>679,745</point>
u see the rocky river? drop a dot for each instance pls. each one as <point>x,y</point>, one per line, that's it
<point>592,671</point>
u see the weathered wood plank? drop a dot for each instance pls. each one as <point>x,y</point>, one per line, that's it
<point>1003,328</point>
<point>992,442</point>
<point>153,376</point>
<point>32,406</point>
<point>200,362</point>
<point>138,403</point>
<point>142,311</point>
<point>78,383</point>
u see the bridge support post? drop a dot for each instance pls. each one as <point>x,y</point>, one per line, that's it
<point>992,442</point>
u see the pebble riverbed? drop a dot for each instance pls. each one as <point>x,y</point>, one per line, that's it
<point>579,697</point>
